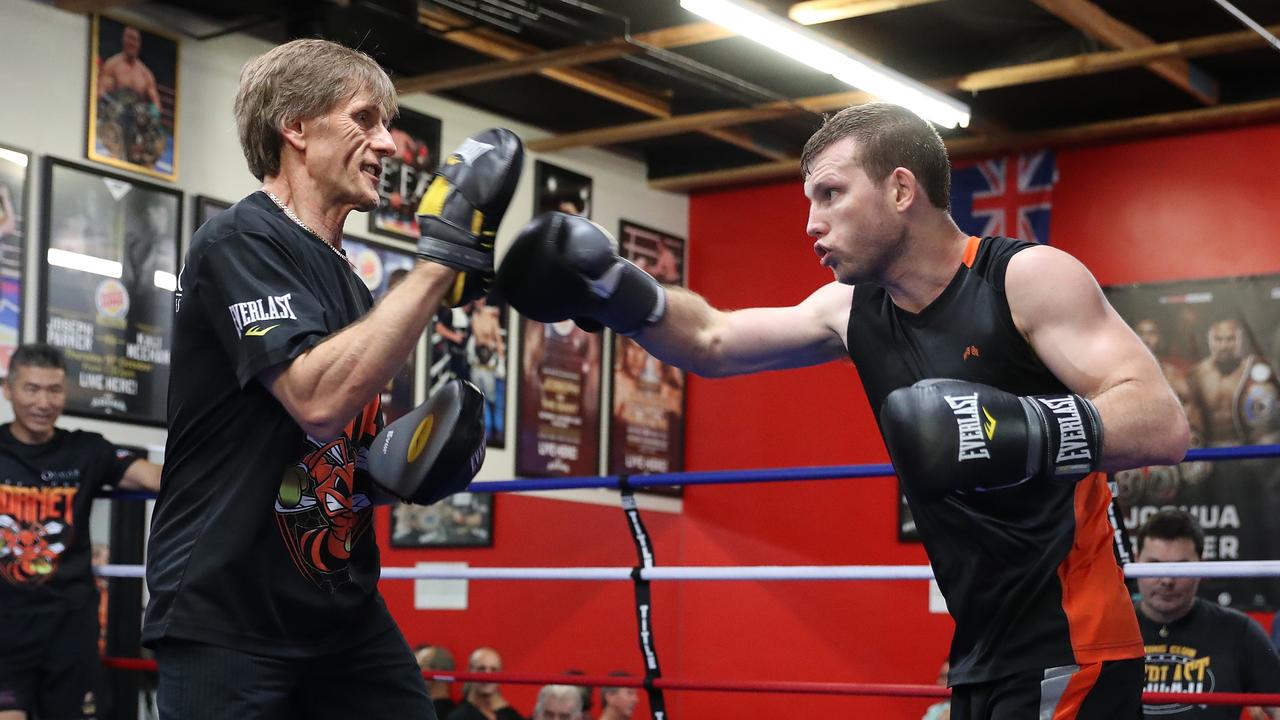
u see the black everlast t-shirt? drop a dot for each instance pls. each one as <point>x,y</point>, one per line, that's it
<point>1210,649</point>
<point>46,492</point>
<point>262,537</point>
<point>1029,573</point>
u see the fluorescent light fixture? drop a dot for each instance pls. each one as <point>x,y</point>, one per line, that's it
<point>165,280</point>
<point>16,158</point>
<point>85,263</point>
<point>845,64</point>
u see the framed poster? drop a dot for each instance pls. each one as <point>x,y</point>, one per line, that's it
<point>205,210</point>
<point>646,420</point>
<point>1217,342</point>
<point>382,267</point>
<point>555,188</point>
<point>109,246</point>
<point>461,520</point>
<point>470,342</point>
<point>15,177</point>
<point>558,403</point>
<point>406,175</point>
<point>133,98</point>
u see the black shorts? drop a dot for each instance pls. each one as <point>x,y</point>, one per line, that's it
<point>378,680</point>
<point>49,663</point>
<point>1102,691</point>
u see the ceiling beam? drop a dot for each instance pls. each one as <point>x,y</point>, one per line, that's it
<point>1073,66</point>
<point>1108,131</point>
<point>813,12</point>
<point>1097,23</point>
<point>456,29</point>
<point>91,6</point>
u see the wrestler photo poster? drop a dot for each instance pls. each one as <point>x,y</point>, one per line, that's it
<point>470,343</point>
<point>133,98</point>
<point>382,267</point>
<point>1218,343</point>
<point>14,178</point>
<point>406,175</point>
<point>109,270</point>
<point>646,420</point>
<point>559,389</point>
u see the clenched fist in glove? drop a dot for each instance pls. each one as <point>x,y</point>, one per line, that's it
<point>564,267</point>
<point>459,214</point>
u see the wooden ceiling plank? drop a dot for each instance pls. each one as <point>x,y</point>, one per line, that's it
<point>1107,131</point>
<point>1096,22</point>
<point>528,65</point>
<point>813,12</point>
<point>87,7</point>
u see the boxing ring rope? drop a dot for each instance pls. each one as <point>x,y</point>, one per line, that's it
<point>754,686</point>
<point>1217,569</point>
<point>645,571</point>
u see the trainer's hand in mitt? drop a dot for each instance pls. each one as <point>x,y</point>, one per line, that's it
<point>435,449</point>
<point>459,214</point>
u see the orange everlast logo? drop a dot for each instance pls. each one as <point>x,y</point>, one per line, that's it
<point>971,351</point>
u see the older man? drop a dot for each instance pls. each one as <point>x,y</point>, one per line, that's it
<point>263,567</point>
<point>558,702</point>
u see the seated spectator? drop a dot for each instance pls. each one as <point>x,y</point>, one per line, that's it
<point>617,703</point>
<point>940,710</point>
<point>438,658</point>
<point>558,702</point>
<point>482,701</point>
<point>588,695</point>
<point>1195,646</point>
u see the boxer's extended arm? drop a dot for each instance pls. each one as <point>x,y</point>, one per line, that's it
<point>714,343</point>
<point>326,386</point>
<point>1059,308</point>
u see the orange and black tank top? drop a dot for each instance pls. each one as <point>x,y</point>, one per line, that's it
<point>1029,573</point>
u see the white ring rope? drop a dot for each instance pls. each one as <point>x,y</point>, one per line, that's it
<point>1237,568</point>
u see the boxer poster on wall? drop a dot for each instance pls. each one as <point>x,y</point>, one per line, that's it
<point>382,267</point>
<point>1218,344</point>
<point>406,175</point>
<point>646,421</point>
<point>133,98</point>
<point>206,209</point>
<point>109,247</point>
<point>555,188</point>
<point>470,342</point>
<point>461,520</point>
<point>14,173</point>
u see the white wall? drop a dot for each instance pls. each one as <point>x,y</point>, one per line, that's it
<point>43,90</point>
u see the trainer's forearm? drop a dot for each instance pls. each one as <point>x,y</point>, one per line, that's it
<point>328,385</point>
<point>1143,424</point>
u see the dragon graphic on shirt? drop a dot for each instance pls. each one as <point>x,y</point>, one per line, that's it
<point>323,506</point>
<point>35,530</point>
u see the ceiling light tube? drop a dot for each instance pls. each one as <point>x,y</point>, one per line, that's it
<point>845,64</point>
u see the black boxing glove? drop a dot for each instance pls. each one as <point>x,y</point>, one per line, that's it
<point>949,436</point>
<point>564,266</point>
<point>434,450</point>
<point>459,214</point>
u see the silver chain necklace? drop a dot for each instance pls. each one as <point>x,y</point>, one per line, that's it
<point>293,216</point>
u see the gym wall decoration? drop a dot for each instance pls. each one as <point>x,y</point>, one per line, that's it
<point>15,177</point>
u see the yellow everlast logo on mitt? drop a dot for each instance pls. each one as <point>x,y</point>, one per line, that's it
<point>989,425</point>
<point>433,201</point>
<point>420,437</point>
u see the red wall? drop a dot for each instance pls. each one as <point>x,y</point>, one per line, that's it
<point>1195,206</point>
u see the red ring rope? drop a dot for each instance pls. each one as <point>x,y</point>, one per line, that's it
<point>770,686</point>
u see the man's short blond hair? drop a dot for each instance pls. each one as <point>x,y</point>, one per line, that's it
<point>300,80</point>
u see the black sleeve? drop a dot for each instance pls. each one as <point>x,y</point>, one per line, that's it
<point>253,292</point>
<point>109,462</point>
<point>1259,662</point>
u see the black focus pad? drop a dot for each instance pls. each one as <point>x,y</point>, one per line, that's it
<point>435,449</point>
<point>949,436</point>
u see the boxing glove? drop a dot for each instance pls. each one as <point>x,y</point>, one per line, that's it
<point>949,436</point>
<point>459,214</point>
<point>434,450</point>
<point>564,266</point>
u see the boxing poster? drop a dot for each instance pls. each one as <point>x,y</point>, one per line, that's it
<point>109,247</point>
<point>382,267</point>
<point>470,342</point>
<point>461,520</point>
<point>646,420</point>
<point>206,209</point>
<point>13,232</point>
<point>558,403</point>
<point>406,175</point>
<point>133,98</point>
<point>1218,344</point>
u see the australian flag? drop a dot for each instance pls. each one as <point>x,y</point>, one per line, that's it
<point>1009,196</point>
